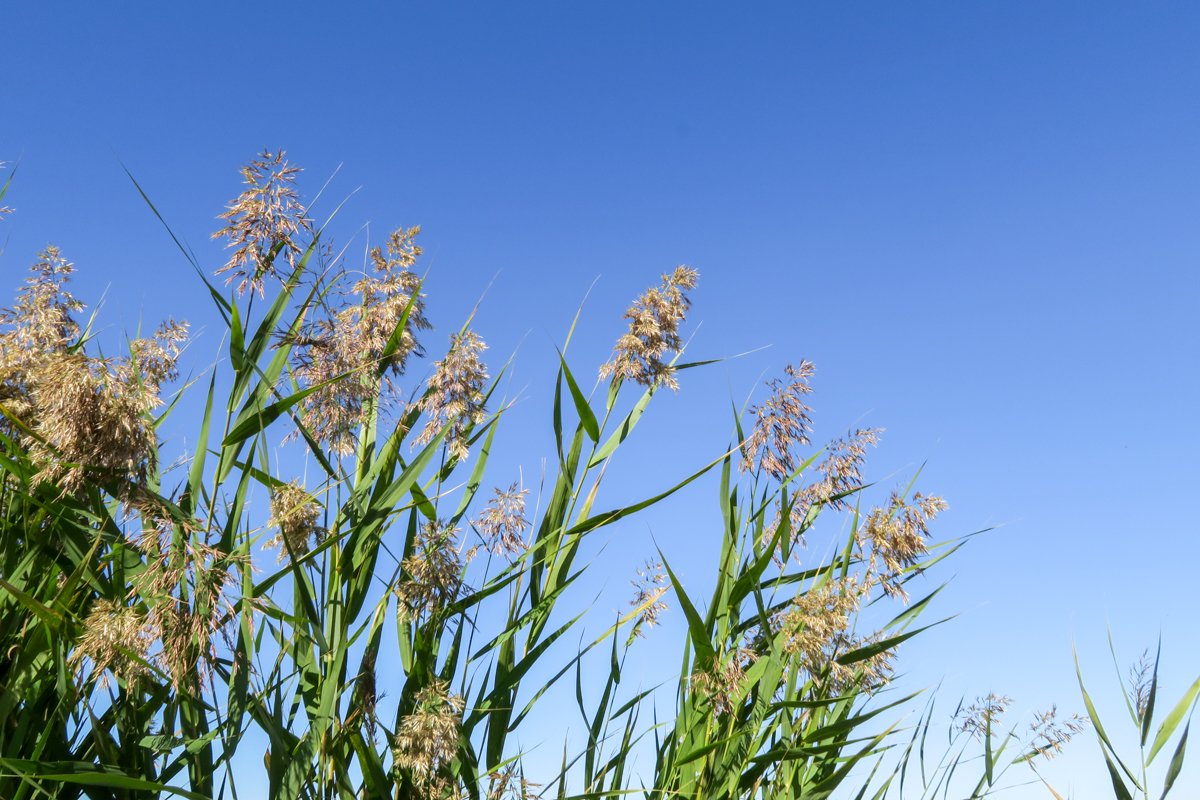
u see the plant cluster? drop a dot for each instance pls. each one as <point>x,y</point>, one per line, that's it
<point>412,621</point>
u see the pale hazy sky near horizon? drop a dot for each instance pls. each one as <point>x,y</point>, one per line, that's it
<point>979,220</point>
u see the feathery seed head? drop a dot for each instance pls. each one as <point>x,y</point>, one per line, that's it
<point>818,631</point>
<point>1049,733</point>
<point>264,222</point>
<point>654,318</point>
<point>295,513</point>
<point>353,343</point>
<point>649,588</point>
<point>720,684</point>
<point>115,639</point>
<point>981,717</point>
<point>427,739</point>
<point>433,573</point>
<point>841,471</point>
<point>781,424</point>
<point>502,521</point>
<point>455,394</point>
<point>897,537</point>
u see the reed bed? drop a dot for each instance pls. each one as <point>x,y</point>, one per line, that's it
<point>395,622</point>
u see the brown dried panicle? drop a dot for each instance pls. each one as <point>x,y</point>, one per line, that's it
<point>264,222</point>
<point>116,639</point>
<point>654,318</point>
<point>781,424</point>
<point>510,783</point>
<point>427,738</point>
<point>455,394</point>
<point>897,535</point>
<point>89,423</point>
<point>649,588</point>
<point>502,521</point>
<point>432,575</point>
<point>295,513</point>
<point>349,349</point>
<point>154,361</point>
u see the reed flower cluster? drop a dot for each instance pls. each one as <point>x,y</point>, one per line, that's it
<point>455,394</point>
<point>427,738</point>
<point>649,589</point>
<point>264,222</point>
<point>503,520</point>
<point>352,356</point>
<point>721,683</point>
<point>115,639</point>
<point>295,513</point>
<point>897,534</point>
<point>781,424</point>
<point>83,417</point>
<point>432,575</point>
<point>654,320</point>
<point>818,631</point>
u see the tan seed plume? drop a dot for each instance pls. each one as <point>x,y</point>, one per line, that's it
<point>654,319</point>
<point>264,222</point>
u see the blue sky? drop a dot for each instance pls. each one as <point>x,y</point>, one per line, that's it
<point>979,220</point>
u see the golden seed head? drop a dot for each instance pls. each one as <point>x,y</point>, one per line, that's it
<point>653,333</point>
<point>348,350</point>
<point>841,470</point>
<point>427,739</point>
<point>502,521</point>
<point>720,684</point>
<point>781,424</point>
<point>295,513</point>
<point>455,394</point>
<point>897,536</point>
<point>90,416</point>
<point>264,222</point>
<point>115,639</point>
<point>432,575</point>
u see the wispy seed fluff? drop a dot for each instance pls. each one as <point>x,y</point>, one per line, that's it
<point>655,317</point>
<point>455,394</point>
<point>502,521</point>
<point>427,739</point>
<point>348,349</point>
<point>264,222</point>
<point>295,513</point>
<point>781,424</point>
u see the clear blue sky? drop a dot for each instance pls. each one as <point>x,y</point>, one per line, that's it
<point>980,220</point>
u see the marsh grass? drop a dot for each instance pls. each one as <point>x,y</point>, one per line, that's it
<point>416,611</point>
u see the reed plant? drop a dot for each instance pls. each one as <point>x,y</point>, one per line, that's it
<point>394,623</point>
